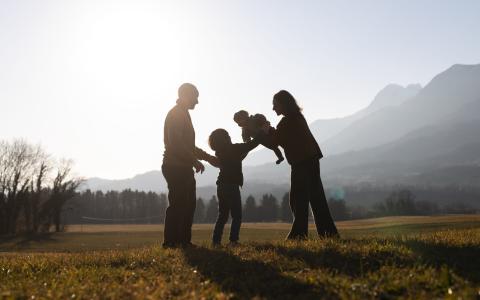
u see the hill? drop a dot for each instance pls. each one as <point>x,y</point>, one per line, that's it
<point>324,129</point>
<point>448,92</point>
<point>407,135</point>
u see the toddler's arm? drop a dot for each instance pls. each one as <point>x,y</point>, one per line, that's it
<point>246,135</point>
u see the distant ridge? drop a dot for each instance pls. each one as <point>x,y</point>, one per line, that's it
<point>323,129</point>
<point>408,135</point>
<point>446,93</point>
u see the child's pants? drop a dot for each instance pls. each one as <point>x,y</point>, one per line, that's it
<point>229,202</point>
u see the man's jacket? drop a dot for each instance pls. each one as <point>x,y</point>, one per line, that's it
<point>179,139</point>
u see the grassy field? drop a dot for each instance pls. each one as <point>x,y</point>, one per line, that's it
<point>398,257</point>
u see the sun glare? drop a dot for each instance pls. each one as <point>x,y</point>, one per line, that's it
<point>118,45</point>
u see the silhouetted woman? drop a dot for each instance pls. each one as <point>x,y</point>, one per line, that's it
<point>303,154</point>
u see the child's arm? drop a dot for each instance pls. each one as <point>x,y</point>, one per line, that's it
<point>202,155</point>
<point>244,148</point>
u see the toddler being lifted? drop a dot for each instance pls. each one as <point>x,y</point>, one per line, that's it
<point>252,126</point>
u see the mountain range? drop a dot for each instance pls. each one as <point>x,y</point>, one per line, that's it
<point>326,129</point>
<point>407,135</point>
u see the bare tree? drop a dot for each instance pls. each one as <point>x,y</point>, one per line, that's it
<point>38,189</point>
<point>3,184</point>
<point>63,189</point>
<point>30,198</point>
<point>16,167</point>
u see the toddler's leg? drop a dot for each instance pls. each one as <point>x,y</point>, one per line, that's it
<point>279,155</point>
<point>275,149</point>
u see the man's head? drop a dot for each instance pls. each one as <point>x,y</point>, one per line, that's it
<point>188,95</point>
<point>218,139</point>
<point>241,118</point>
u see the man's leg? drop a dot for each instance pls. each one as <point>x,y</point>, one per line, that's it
<point>189,209</point>
<point>236,211</point>
<point>176,199</point>
<point>298,204</point>
<point>321,213</point>
<point>223,212</point>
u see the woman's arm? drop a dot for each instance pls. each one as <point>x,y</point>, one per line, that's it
<point>275,137</point>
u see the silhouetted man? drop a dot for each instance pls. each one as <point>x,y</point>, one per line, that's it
<point>180,157</point>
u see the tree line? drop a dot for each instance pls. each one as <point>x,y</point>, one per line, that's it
<point>138,207</point>
<point>365,196</point>
<point>399,202</point>
<point>39,192</point>
<point>113,207</point>
<point>34,187</point>
<point>267,209</point>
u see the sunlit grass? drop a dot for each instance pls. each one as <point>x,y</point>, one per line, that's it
<point>427,262</point>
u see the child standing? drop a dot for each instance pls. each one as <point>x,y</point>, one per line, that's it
<point>252,126</point>
<point>229,181</point>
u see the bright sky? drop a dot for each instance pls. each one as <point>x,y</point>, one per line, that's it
<point>93,80</point>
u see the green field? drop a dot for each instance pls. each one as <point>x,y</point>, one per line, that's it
<point>396,257</point>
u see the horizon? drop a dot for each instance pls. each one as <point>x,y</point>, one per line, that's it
<point>95,84</point>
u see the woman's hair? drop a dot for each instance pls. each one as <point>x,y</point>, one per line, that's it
<point>218,139</point>
<point>287,101</point>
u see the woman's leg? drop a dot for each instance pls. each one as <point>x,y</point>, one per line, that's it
<point>321,213</point>
<point>223,212</point>
<point>299,203</point>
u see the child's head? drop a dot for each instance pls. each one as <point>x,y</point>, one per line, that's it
<point>241,118</point>
<point>218,139</point>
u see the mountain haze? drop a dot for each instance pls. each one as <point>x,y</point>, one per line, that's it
<point>446,93</point>
<point>323,129</point>
<point>407,135</point>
